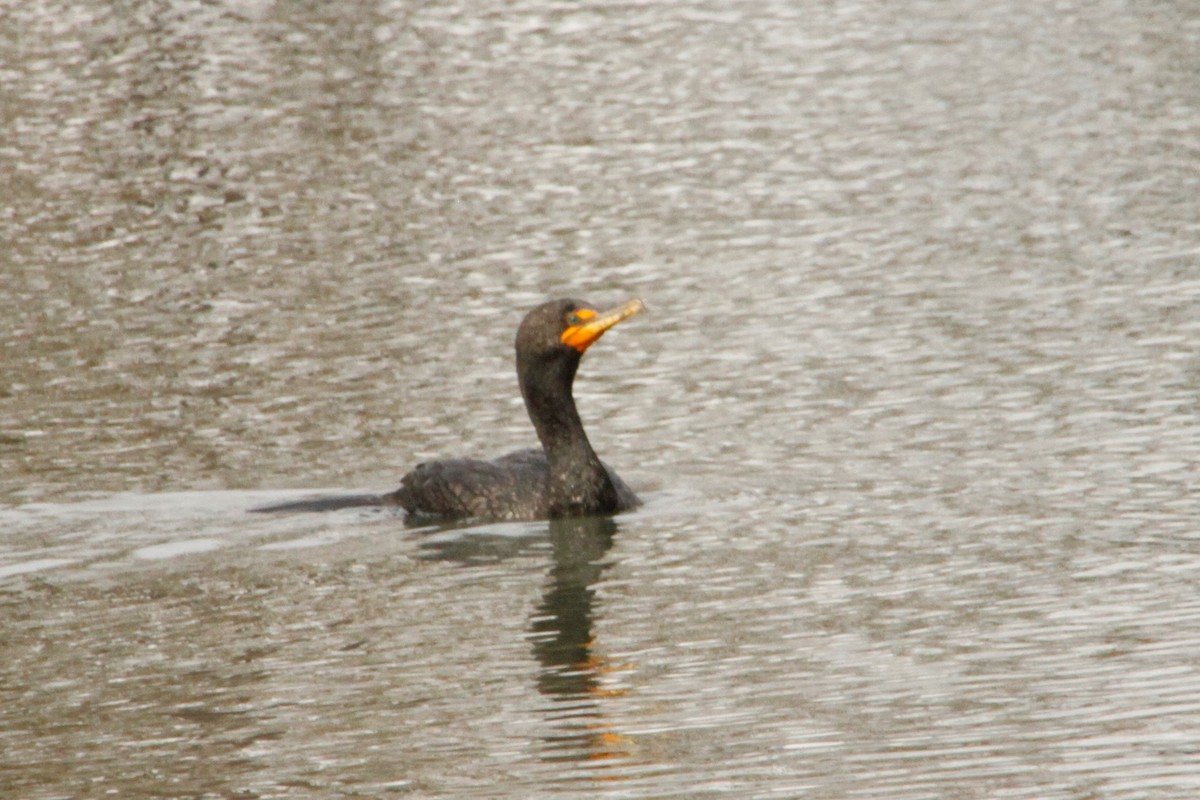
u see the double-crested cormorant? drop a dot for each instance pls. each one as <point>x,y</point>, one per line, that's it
<point>565,478</point>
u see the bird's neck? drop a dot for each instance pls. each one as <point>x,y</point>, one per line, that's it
<point>559,428</point>
<point>579,483</point>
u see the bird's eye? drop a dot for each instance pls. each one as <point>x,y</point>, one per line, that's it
<point>574,320</point>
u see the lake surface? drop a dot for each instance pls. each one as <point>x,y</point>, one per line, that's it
<point>913,408</point>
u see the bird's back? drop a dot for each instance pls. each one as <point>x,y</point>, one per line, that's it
<point>512,487</point>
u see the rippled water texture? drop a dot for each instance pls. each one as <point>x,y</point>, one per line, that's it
<point>913,408</point>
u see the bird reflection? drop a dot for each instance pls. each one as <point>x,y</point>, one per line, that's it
<point>572,675</point>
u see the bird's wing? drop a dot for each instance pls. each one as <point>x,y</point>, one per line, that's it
<point>511,487</point>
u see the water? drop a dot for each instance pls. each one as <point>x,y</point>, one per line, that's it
<point>913,407</point>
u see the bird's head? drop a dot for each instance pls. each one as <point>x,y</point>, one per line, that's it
<point>568,327</point>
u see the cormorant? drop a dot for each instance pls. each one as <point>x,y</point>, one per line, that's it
<point>565,478</point>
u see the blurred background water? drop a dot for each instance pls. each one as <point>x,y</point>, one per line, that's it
<point>914,408</point>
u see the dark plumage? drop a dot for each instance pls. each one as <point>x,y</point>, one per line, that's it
<point>563,479</point>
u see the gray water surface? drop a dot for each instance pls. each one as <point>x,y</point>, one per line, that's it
<point>913,408</point>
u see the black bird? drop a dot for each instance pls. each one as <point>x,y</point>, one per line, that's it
<point>565,478</point>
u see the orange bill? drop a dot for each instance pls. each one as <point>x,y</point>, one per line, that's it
<point>591,324</point>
